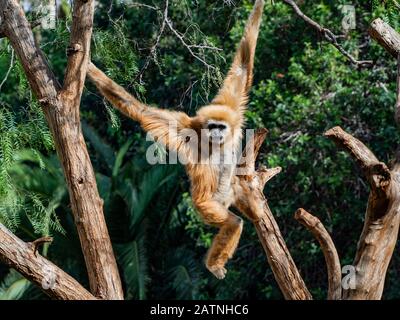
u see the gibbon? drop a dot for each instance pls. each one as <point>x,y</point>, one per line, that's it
<point>217,126</point>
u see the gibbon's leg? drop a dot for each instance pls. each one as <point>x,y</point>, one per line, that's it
<point>225,242</point>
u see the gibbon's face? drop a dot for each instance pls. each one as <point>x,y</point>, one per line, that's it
<point>218,123</point>
<point>217,131</point>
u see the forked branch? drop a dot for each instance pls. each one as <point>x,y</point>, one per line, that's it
<point>61,108</point>
<point>381,225</point>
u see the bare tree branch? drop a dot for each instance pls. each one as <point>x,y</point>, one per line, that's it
<point>52,280</point>
<point>381,226</point>
<point>328,35</point>
<point>397,106</point>
<point>248,159</point>
<point>313,224</point>
<point>389,39</point>
<point>38,242</point>
<point>166,21</point>
<point>9,69</point>
<point>188,46</point>
<point>153,49</point>
<point>138,4</point>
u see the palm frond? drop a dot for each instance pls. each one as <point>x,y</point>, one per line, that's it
<point>182,274</point>
<point>13,286</point>
<point>132,257</point>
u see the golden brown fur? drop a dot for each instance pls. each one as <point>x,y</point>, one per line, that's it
<point>210,183</point>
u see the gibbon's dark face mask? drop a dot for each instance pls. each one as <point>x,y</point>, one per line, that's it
<point>217,131</point>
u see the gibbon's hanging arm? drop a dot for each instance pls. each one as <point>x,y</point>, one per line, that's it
<point>237,83</point>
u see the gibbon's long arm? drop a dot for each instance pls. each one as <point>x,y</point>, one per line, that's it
<point>238,81</point>
<point>165,126</point>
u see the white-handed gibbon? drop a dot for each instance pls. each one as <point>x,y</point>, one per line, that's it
<point>219,124</point>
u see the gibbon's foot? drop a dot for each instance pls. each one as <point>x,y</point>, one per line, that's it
<point>217,271</point>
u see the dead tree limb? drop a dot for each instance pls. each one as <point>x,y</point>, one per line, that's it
<point>313,224</point>
<point>61,108</point>
<point>248,189</point>
<point>386,36</point>
<point>382,218</point>
<point>389,39</point>
<point>54,282</point>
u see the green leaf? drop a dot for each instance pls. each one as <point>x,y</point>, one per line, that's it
<point>13,286</point>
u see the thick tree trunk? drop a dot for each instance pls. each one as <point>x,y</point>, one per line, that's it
<point>61,107</point>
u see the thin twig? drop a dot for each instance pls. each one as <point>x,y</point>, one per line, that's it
<point>166,21</point>
<point>187,46</point>
<point>328,35</point>
<point>9,69</point>
<point>197,46</point>
<point>153,49</point>
<point>138,4</point>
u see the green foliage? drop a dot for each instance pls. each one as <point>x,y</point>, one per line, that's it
<point>389,10</point>
<point>195,226</point>
<point>37,191</point>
